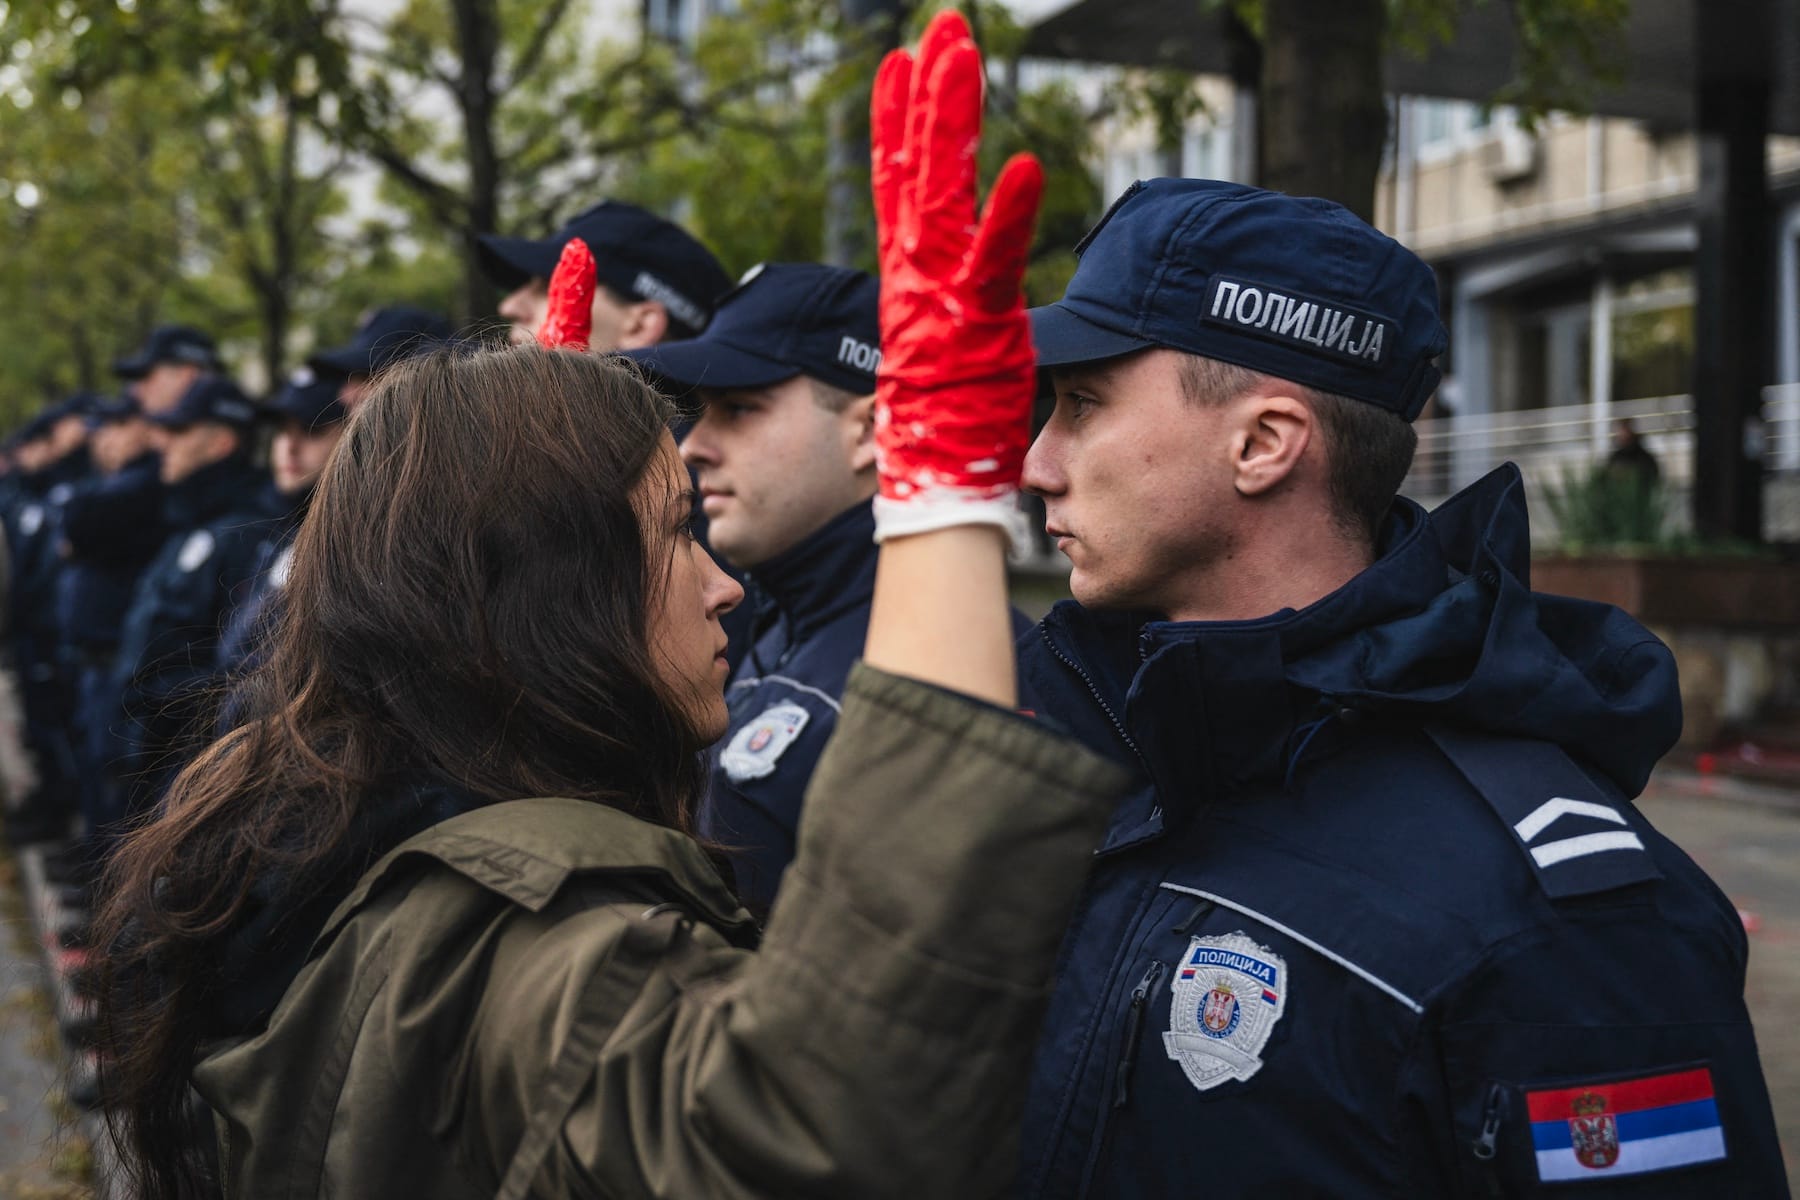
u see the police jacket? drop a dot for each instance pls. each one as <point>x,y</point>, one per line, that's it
<point>554,998</point>
<point>1379,918</point>
<point>240,645</point>
<point>111,527</point>
<point>171,629</point>
<point>34,533</point>
<point>810,620</point>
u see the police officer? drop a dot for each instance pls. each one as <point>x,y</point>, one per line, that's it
<point>311,417</point>
<point>656,281</point>
<point>53,457</point>
<point>111,527</point>
<point>167,364</point>
<point>382,338</point>
<point>213,528</point>
<point>1380,918</point>
<point>784,459</point>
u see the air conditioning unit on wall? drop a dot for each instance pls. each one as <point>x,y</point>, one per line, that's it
<point>1511,156</point>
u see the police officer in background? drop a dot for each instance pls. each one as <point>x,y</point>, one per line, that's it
<point>169,362</point>
<point>1381,919</point>
<point>311,421</point>
<point>656,281</point>
<point>784,459</point>
<point>111,527</point>
<point>53,458</point>
<point>382,338</point>
<point>213,526</point>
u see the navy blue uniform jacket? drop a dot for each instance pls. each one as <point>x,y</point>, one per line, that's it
<point>1380,919</point>
<point>171,630</point>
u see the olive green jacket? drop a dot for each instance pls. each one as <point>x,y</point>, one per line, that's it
<point>551,998</point>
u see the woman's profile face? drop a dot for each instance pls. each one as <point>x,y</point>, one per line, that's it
<point>686,640</point>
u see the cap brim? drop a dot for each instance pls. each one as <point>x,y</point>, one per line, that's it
<point>344,360</point>
<point>703,364</point>
<point>1063,339</point>
<point>510,261</point>
<point>135,367</point>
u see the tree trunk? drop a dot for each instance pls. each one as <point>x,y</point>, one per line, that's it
<point>849,213</point>
<point>478,40</point>
<point>1324,119</point>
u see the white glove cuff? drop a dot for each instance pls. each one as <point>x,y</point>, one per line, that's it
<point>945,508</point>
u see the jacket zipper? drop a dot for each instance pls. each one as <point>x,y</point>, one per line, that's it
<point>1118,725</point>
<point>1484,1146</point>
<point>1134,1027</point>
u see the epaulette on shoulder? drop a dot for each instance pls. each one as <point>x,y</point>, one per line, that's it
<point>1575,837</point>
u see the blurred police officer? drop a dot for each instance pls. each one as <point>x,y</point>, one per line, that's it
<point>171,359</point>
<point>1381,919</point>
<point>784,459</point>
<point>310,418</point>
<point>382,338</point>
<point>53,457</point>
<point>656,282</point>
<point>213,527</point>
<point>111,528</point>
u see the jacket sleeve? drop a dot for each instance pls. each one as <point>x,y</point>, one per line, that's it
<point>879,1042</point>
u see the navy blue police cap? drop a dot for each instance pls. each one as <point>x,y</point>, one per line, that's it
<point>385,336</point>
<point>1293,287</point>
<point>212,398</point>
<point>782,320</point>
<point>179,344</point>
<point>635,252</point>
<point>309,397</point>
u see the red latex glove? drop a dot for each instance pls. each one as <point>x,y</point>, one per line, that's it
<point>954,392</point>
<point>570,317</point>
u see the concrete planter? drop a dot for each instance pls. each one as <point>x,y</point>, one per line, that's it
<point>1733,623</point>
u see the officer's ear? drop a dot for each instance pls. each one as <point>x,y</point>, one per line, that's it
<point>646,323</point>
<point>1270,432</point>
<point>860,415</point>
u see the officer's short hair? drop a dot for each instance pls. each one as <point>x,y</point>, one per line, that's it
<point>1369,449</point>
<point>831,399</point>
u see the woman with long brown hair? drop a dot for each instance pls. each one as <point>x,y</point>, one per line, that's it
<point>430,923</point>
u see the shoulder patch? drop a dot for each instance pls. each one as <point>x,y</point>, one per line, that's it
<point>1576,838</point>
<point>31,519</point>
<point>756,747</point>
<point>1229,992</point>
<point>1603,1129</point>
<point>283,564</point>
<point>196,550</point>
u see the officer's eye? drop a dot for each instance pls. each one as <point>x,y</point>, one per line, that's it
<point>1078,404</point>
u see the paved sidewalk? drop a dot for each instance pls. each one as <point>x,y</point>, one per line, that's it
<point>41,1158</point>
<point>1750,844</point>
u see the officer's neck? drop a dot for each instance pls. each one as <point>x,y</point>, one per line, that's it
<point>1270,566</point>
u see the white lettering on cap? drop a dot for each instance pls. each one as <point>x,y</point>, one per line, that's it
<point>854,352</point>
<point>1305,323</point>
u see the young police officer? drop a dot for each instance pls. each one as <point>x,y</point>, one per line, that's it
<point>656,281</point>
<point>171,359</point>
<point>1381,919</point>
<point>382,338</point>
<point>784,458</point>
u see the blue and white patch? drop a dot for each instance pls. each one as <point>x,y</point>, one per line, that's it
<point>1229,992</point>
<point>755,749</point>
<point>31,519</point>
<point>1325,328</point>
<point>195,551</point>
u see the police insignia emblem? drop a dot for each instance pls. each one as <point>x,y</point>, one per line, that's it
<point>31,519</point>
<point>755,749</point>
<point>1593,1131</point>
<point>1229,992</point>
<point>196,550</point>
<point>281,567</point>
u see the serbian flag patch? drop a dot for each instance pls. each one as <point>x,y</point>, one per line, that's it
<point>1626,1126</point>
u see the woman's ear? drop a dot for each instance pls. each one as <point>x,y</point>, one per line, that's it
<point>1270,439</point>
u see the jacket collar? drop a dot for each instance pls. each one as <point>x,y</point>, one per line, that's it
<point>825,575</point>
<point>1442,627</point>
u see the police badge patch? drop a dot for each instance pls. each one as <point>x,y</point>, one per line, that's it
<point>754,750</point>
<point>1229,992</point>
<point>195,551</point>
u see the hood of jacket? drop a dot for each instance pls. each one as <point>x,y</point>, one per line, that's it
<point>1443,628</point>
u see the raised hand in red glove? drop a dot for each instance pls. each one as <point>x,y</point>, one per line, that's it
<point>953,397</point>
<point>570,318</point>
